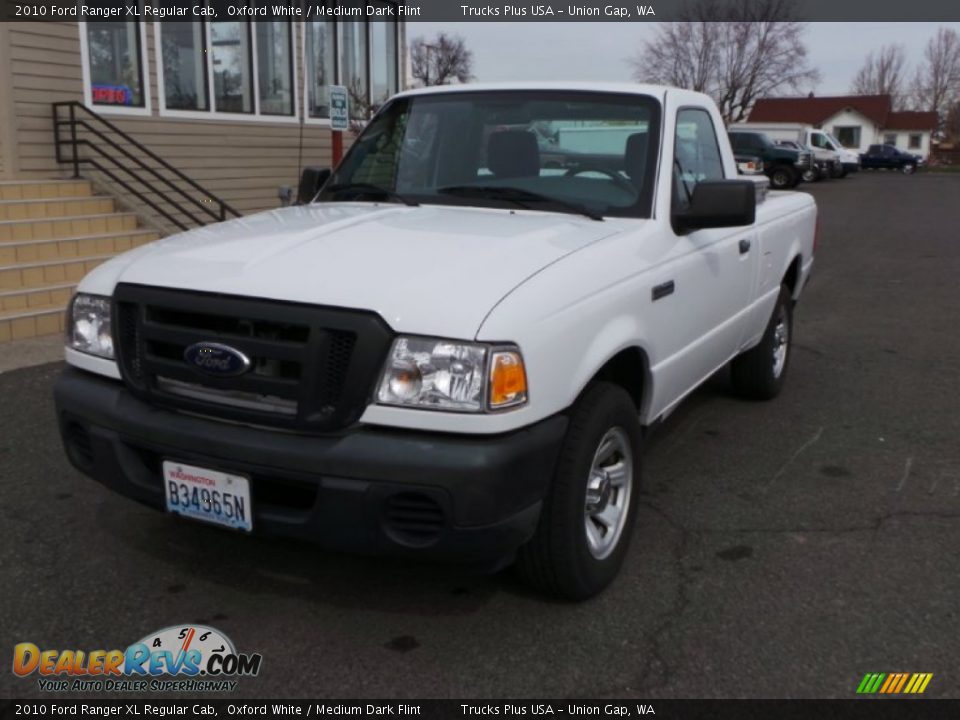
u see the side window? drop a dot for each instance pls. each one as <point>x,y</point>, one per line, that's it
<point>820,141</point>
<point>696,154</point>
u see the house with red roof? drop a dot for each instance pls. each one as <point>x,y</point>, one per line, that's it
<point>857,121</point>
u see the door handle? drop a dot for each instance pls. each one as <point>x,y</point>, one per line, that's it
<point>744,246</point>
<point>662,290</point>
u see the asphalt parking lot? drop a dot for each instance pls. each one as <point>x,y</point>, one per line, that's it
<point>783,549</point>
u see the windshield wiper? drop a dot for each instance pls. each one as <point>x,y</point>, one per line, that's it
<point>370,189</point>
<point>516,195</point>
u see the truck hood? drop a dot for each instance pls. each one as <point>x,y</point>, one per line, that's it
<point>435,270</point>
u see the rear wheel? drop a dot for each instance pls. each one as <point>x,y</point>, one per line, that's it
<point>811,175</point>
<point>759,373</point>
<point>908,169</point>
<point>588,515</point>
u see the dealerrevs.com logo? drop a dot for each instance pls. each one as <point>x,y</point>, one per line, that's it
<point>200,658</point>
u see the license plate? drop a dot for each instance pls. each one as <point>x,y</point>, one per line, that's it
<point>208,495</point>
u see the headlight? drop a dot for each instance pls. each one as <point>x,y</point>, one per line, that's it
<point>454,376</point>
<point>88,325</point>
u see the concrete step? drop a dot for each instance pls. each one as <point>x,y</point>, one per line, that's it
<point>37,189</point>
<point>35,275</point>
<point>38,209</point>
<point>31,251</point>
<point>57,294</point>
<point>64,227</point>
<point>34,322</point>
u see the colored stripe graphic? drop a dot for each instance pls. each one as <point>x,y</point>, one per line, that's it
<point>903,680</point>
<point>894,683</point>
<point>891,680</point>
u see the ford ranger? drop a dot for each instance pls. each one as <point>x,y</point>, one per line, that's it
<point>450,350</point>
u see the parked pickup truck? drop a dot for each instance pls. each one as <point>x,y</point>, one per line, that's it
<point>451,352</point>
<point>784,166</point>
<point>887,157</point>
<point>831,158</point>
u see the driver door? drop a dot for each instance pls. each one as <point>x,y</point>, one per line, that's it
<point>701,294</point>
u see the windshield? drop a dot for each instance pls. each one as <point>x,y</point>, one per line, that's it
<point>592,153</point>
<point>837,145</point>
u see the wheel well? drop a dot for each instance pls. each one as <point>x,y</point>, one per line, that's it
<point>628,369</point>
<point>792,276</point>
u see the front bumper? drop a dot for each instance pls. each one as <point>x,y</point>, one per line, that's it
<point>366,490</point>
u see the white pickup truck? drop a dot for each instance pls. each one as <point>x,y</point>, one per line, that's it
<point>455,348</point>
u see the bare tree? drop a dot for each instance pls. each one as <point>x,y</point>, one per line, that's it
<point>937,82</point>
<point>757,50</point>
<point>951,125</point>
<point>441,60</point>
<point>882,74</point>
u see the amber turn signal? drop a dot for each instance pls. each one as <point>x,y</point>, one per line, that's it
<point>508,380</point>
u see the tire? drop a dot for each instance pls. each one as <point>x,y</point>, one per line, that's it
<point>811,175</point>
<point>837,173</point>
<point>759,373</point>
<point>908,169</point>
<point>783,178</point>
<point>564,559</point>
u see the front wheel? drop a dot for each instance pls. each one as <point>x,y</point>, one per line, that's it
<point>759,373</point>
<point>811,175</point>
<point>783,178</point>
<point>908,169</point>
<point>589,512</point>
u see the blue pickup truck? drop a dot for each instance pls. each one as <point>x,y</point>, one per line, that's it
<point>889,157</point>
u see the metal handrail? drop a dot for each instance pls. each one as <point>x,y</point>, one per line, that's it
<point>139,172</point>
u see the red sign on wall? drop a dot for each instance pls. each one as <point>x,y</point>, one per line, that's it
<point>112,95</point>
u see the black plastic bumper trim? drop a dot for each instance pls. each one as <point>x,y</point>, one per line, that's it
<point>333,490</point>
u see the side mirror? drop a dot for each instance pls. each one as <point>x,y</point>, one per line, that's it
<point>312,179</point>
<point>718,203</point>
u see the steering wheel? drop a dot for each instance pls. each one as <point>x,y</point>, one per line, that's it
<point>617,178</point>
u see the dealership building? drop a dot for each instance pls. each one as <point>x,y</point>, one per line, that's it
<point>114,133</point>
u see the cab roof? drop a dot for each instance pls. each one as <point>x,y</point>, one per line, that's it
<point>576,86</point>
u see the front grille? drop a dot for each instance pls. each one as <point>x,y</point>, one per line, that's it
<point>311,368</point>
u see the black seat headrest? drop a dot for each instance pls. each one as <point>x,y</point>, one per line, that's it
<point>635,155</point>
<point>513,153</point>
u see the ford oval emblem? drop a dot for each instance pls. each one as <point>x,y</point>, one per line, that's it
<point>216,359</point>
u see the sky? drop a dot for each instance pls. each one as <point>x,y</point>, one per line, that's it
<point>598,51</point>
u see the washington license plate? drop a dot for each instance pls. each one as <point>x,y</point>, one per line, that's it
<point>208,495</point>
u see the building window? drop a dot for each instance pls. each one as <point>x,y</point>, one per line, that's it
<point>275,67</point>
<point>234,67</point>
<point>320,56</point>
<point>383,61</point>
<point>916,141</point>
<point>114,64</point>
<point>184,65</point>
<point>890,139</point>
<point>353,58</point>
<point>232,75</point>
<point>362,56</point>
<point>849,135</point>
